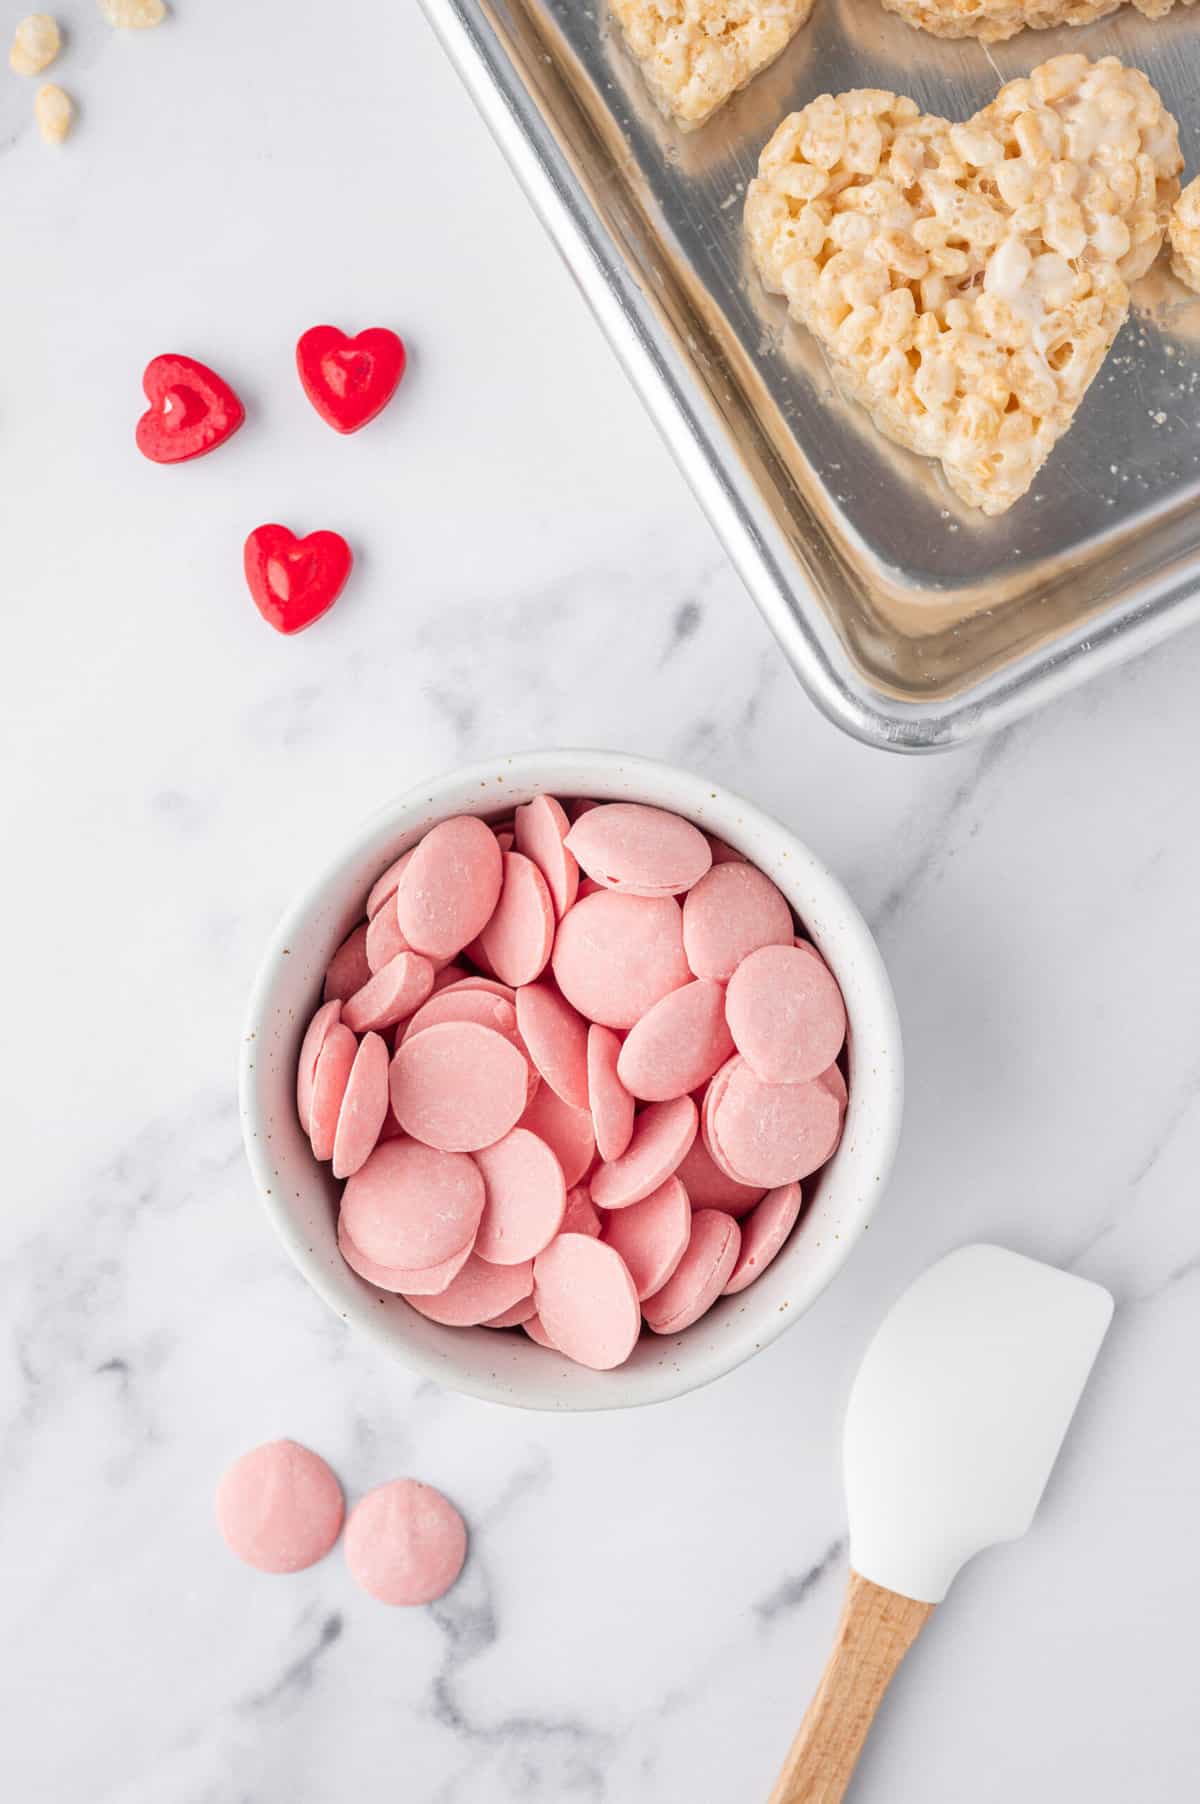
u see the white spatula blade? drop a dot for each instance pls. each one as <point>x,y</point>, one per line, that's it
<point>958,1412</point>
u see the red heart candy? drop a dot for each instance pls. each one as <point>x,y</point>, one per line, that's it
<point>350,380</point>
<point>294,581</point>
<point>192,410</point>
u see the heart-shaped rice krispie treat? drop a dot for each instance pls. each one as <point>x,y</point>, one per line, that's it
<point>967,280</point>
<point>696,53</point>
<point>991,20</point>
<point>1184,230</point>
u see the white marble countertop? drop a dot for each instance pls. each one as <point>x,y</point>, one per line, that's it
<point>650,1595</point>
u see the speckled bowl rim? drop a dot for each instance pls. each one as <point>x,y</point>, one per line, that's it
<point>300,1196</point>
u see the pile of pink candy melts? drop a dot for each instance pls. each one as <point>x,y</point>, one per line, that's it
<point>572,1068</point>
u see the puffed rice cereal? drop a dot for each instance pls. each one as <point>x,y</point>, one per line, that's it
<point>968,279</point>
<point>53,109</point>
<point>1184,231</point>
<point>133,15</point>
<point>696,53</point>
<point>36,43</point>
<point>992,20</point>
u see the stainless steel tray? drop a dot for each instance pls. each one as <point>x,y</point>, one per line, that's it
<point>914,622</point>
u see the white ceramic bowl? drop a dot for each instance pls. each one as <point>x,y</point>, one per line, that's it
<point>301,1196</point>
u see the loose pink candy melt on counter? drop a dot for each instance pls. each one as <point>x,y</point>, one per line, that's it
<point>450,886</point>
<point>458,1086</point>
<point>677,1044</point>
<point>642,851</point>
<point>524,1198</point>
<point>700,1276</point>
<point>405,1543</point>
<point>530,1157</point>
<point>786,1014</point>
<point>615,956</point>
<point>586,1301</point>
<point>412,1205</point>
<point>279,1507</point>
<point>662,1134</point>
<point>732,911</point>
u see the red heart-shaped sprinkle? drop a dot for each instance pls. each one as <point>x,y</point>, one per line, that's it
<point>192,410</point>
<point>294,581</point>
<point>350,380</point>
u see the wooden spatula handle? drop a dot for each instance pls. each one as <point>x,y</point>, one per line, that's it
<point>876,1630</point>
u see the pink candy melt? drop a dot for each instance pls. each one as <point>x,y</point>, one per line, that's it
<point>632,1051</point>
<point>786,1014</point>
<point>652,1236</point>
<point>334,1065</point>
<point>279,1507</point>
<point>449,887</point>
<point>364,1106</point>
<point>586,1301</point>
<point>732,912</point>
<point>764,1232</point>
<point>412,1205</point>
<point>615,956</point>
<point>349,968</point>
<point>479,1293</point>
<point>771,1133</point>
<point>643,851</point>
<point>405,1544</point>
<point>310,1051</point>
<point>391,994</point>
<point>611,1104</point>
<point>524,1198</point>
<point>517,939</point>
<point>662,1134</point>
<point>677,1044</point>
<point>700,1276</point>
<point>557,1038</point>
<point>458,1086</point>
<point>540,829</point>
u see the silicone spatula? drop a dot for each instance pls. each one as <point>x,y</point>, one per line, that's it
<point>954,1423</point>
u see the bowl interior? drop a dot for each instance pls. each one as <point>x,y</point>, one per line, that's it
<point>302,1196</point>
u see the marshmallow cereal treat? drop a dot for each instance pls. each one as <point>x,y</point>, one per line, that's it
<point>968,279</point>
<point>695,53</point>
<point>991,20</point>
<point>1184,233</point>
<point>573,1071</point>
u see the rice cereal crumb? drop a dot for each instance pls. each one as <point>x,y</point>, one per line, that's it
<point>1184,233</point>
<point>133,15</point>
<point>36,43</point>
<point>54,110</point>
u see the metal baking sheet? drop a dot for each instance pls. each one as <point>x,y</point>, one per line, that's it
<point>912,620</point>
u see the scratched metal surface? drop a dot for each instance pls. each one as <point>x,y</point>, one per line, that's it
<point>912,619</point>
